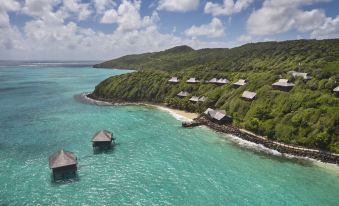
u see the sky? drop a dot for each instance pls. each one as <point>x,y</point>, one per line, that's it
<point>106,29</point>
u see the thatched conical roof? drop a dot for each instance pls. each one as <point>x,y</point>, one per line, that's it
<point>102,136</point>
<point>62,158</point>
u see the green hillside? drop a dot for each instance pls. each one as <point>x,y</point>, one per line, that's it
<point>311,54</point>
<point>308,115</point>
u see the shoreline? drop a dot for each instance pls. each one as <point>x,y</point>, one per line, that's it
<point>178,114</point>
<point>319,158</point>
<point>284,149</point>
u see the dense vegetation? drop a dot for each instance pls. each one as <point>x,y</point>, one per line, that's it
<point>311,54</point>
<point>308,115</point>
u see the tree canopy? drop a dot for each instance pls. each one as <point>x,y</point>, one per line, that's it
<point>308,115</point>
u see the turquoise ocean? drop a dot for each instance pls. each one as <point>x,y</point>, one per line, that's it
<point>155,161</point>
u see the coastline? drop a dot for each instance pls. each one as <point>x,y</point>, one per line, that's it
<point>176,113</point>
<point>240,136</point>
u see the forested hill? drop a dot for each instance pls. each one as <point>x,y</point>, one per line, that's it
<point>308,115</point>
<point>311,54</point>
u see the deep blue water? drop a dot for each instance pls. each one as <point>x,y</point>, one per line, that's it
<point>156,162</point>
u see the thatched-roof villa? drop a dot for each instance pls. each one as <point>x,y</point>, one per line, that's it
<point>222,81</point>
<point>198,99</point>
<point>194,99</point>
<point>247,95</point>
<point>283,85</point>
<point>192,80</point>
<point>174,80</point>
<point>336,90</point>
<point>239,83</point>
<point>295,74</point>
<point>208,110</point>
<point>102,139</point>
<point>183,94</point>
<point>218,81</point>
<point>202,99</point>
<point>218,116</point>
<point>63,164</point>
<point>213,80</point>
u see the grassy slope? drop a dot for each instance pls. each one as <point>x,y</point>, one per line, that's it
<point>308,115</point>
<point>259,56</point>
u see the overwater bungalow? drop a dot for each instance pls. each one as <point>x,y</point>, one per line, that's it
<point>174,80</point>
<point>194,99</point>
<point>239,83</point>
<point>336,90</point>
<point>102,139</point>
<point>218,116</point>
<point>222,81</point>
<point>183,94</point>
<point>295,74</point>
<point>63,165</point>
<point>192,80</point>
<point>283,85</point>
<point>202,99</point>
<point>247,95</point>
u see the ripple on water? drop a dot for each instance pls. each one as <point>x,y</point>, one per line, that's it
<point>155,162</point>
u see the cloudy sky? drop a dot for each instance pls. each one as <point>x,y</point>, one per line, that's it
<point>104,29</point>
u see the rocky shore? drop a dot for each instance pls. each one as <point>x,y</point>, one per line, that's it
<point>323,156</point>
<point>280,147</point>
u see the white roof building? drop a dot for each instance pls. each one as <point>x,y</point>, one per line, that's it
<point>194,99</point>
<point>174,80</point>
<point>240,82</point>
<point>305,76</point>
<point>183,94</point>
<point>283,84</point>
<point>248,95</point>
<point>218,115</point>
<point>213,80</point>
<point>222,81</point>
<point>192,80</point>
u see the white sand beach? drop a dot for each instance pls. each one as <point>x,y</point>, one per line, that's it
<point>178,114</point>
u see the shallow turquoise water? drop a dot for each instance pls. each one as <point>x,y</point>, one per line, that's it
<point>156,162</point>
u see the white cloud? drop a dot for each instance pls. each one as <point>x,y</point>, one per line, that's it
<point>229,7</point>
<point>41,32</point>
<point>309,20</point>
<point>43,9</point>
<point>109,17</point>
<point>277,16</point>
<point>178,5</point>
<point>81,10</point>
<point>39,7</point>
<point>330,29</point>
<point>7,6</point>
<point>244,39</point>
<point>291,3</point>
<point>214,29</point>
<point>10,40</point>
<point>52,25</point>
<point>128,17</point>
<point>102,5</point>
<point>69,41</point>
